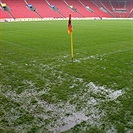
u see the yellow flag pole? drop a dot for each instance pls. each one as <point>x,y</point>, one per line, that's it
<point>71,37</point>
<point>71,45</point>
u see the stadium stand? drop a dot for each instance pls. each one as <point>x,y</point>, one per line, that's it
<point>121,8</point>
<point>61,8</point>
<point>89,6</point>
<point>117,8</point>
<point>4,14</point>
<point>5,11</point>
<point>54,6</point>
<point>129,5</point>
<point>130,9</point>
<point>43,8</point>
<point>72,5</point>
<point>82,9</point>
<point>107,7</point>
<point>32,8</point>
<point>95,8</point>
<point>118,5</point>
<point>100,9</point>
<point>130,14</point>
<point>18,9</point>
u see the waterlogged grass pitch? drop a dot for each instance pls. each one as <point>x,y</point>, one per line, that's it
<point>41,90</point>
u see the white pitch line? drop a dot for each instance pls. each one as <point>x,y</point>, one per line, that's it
<point>101,55</point>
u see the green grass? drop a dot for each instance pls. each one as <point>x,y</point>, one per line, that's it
<point>41,90</point>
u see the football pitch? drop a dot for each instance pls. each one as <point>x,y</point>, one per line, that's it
<point>43,91</point>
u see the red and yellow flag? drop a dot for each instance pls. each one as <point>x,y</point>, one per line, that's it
<point>69,25</point>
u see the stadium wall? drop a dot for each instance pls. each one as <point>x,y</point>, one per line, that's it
<point>46,19</point>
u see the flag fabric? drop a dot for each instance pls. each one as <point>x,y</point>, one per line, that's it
<point>69,25</point>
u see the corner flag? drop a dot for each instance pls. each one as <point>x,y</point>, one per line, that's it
<point>71,36</point>
<point>69,25</point>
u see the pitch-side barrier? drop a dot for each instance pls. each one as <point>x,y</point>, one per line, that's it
<point>47,19</point>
